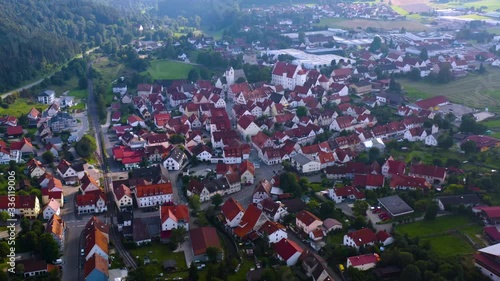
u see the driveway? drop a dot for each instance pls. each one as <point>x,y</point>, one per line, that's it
<point>83,126</point>
<point>375,219</point>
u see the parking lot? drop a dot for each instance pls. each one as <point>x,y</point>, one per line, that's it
<point>374,219</point>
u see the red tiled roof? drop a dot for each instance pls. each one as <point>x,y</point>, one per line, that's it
<point>492,232</point>
<point>281,68</point>
<point>428,170</point>
<point>231,208</point>
<point>489,262</point>
<point>431,102</point>
<point>286,248</point>
<point>247,166</point>
<point>121,191</point>
<point>248,221</point>
<point>396,167</point>
<point>363,259</point>
<point>382,236</point>
<point>96,262</point>
<point>21,201</point>
<point>202,238</point>
<point>362,236</point>
<point>176,212</point>
<point>368,180</point>
<point>154,189</point>
<point>348,191</point>
<point>270,227</point>
<point>307,217</point>
<point>407,181</point>
<point>14,130</point>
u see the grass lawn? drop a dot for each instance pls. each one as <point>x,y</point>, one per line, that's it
<point>167,69</point>
<point>364,23</point>
<point>336,238</point>
<point>399,10</point>
<point>449,245</point>
<point>477,91</point>
<point>80,106</point>
<point>491,5</point>
<point>496,135</point>
<point>21,107</point>
<point>474,17</point>
<point>494,30</point>
<point>439,225</point>
<point>472,231</point>
<point>111,70</point>
<point>492,123</point>
<point>161,253</point>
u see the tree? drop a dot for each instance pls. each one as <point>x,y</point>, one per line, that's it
<point>178,235</point>
<point>431,212</point>
<point>376,44</point>
<point>193,75</point>
<point>302,37</point>
<point>421,205</point>
<point>48,247</point>
<point>82,83</point>
<point>217,200</point>
<point>481,69</point>
<point>86,146</point>
<point>194,202</point>
<point>212,254</point>
<point>394,86</point>
<point>240,80</point>
<point>193,272</point>
<point>470,125</point>
<point>4,249</point>
<point>4,216</point>
<point>445,142</point>
<point>424,55</point>
<point>411,273</point>
<point>359,208</point>
<point>468,147</point>
<point>415,74</point>
<point>326,209</point>
<point>301,111</point>
<point>48,157</point>
<point>373,154</point>
<point>444,74</point>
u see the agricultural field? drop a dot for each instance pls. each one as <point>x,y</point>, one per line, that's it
<point>477,91</point>
<point>364,23</point>
<point>491,5</point>
<point>443,234</point>
<point>21,107</point>
<point>474,17</point>
<point>111,70</point>
<point>167,69</point>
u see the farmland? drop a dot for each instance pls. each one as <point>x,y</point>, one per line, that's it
<point>364,23</point>
<point>21,107</point>
<point>477,91</point>
<point>444,234</point>
<point>167,69</point>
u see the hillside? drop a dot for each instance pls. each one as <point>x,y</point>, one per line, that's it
<point>37,36</point>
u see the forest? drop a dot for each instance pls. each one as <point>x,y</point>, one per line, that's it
<point>37,37</point>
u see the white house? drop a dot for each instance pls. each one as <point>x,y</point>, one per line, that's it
<point>233,212</point>
<point>174,216</point>
<point>304,164</point>
<point>307,222</point>
<point>287,251</point>
<point>363,237</point>
<point>91,203</point>
<point>123,197</point>
<point>153,195</point>
<point>285,74</point>
<point>175,161</point>
<point>120,89</point>
<point>363,262</point>
<point>52,208</point>
<point>247,127</point>
<point>431,140</point>
<point>274,230</point>
<point>47,97</point>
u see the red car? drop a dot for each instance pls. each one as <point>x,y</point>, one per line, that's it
<point>376,211</point>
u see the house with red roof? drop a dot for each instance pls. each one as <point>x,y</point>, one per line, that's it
<point>384,238</point>
<point>432,174</point>
<point>492,233</point>
<point>233,212</point>
<point>363,237</point>
<point>489,213</point>
<point>287,251</point>
<point>488,261</point>
<point>116,116</point>
<point>135,121</point>
<point>153,194</point>
<point>173,217</point>
<point>363,262</point>
<point>405,182</point>
<point>339,194</point>
<point>203,238</point>
<point>246,126</point>
<point>392,167</point>
<point>247,172</point>
<point>23,148</point>
<point>343,123</point>
<point>90,203</point>
<point>14,131</point>
<point>369,182</point>
<point>50,209</point>
<point>251,221</point>
<point>432,103</point>
<point>307,222</point>
<point>261,191</point>
<point>274,231</point>
<point>89,184</point>
<point>123,197</point>
<point>25,205</point>
<point>96,268</point>
<point>483,143</point>
<point>285,74</point>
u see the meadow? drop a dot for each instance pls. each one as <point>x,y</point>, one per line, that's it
<point>168,69</point>
<point>474,90</point>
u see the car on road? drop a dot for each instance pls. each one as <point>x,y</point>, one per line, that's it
<point>82,252</point>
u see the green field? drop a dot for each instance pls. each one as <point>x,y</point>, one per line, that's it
<point>110,70</point>
<point>491,5</point>
<point>477,91</point>
<point>400,10</point>
<point>474,17</point>
<point>159,252</point>
<point>493,123</point>
<point>21,107</point>
<point>167,69</point>
<point>365,23</point>
<point>494,30</point>
<point>442,234</point>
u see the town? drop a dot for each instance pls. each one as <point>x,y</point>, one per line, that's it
<point>314,155</point>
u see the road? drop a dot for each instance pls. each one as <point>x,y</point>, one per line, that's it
<point>72,241</point>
